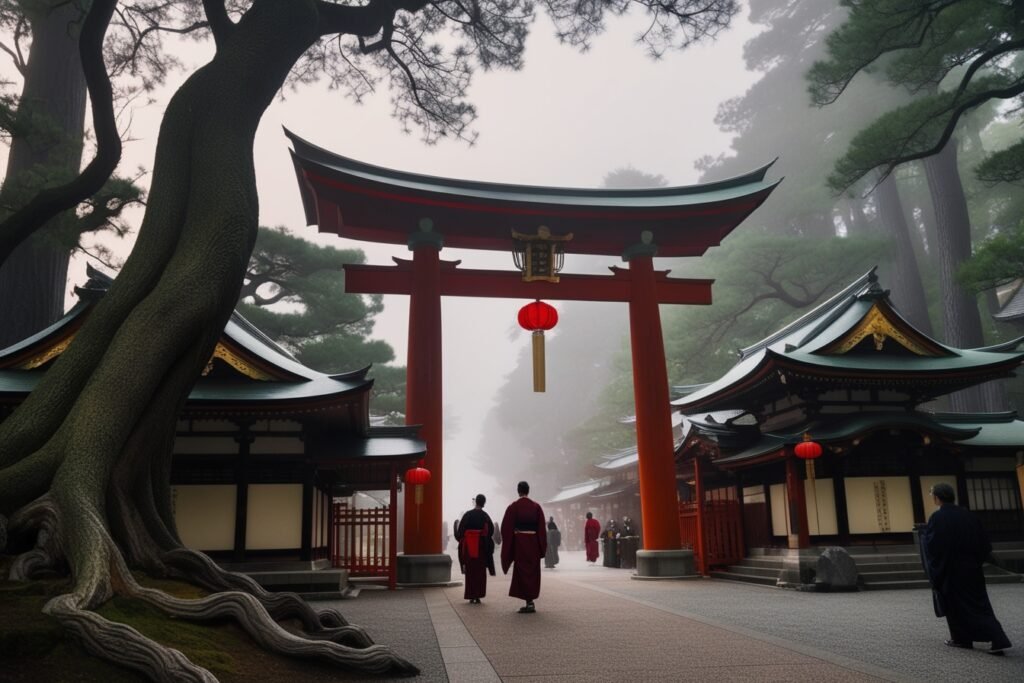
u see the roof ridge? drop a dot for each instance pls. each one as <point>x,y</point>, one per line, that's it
<point>815,313</point>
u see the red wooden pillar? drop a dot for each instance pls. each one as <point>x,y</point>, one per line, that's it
<point>393,530</point>
<point>423,394</point>
<point>659,502</point>
<point>797,503</point>
<point>702,556</point>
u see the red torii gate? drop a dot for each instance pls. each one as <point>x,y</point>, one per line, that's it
<point>366,202</point>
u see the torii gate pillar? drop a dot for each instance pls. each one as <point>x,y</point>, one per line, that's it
<point>662,555</point>
<point>423,560</point>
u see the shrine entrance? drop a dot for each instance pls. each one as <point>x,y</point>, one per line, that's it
<point>538,224</point>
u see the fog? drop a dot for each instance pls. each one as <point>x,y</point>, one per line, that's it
<point>565,119</point>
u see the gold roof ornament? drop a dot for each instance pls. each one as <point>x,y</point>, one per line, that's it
<point>877,325</point>
<point>540,256</point>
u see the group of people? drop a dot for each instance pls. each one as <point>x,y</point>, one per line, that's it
<point>592,533</point>
<point>524,540</point>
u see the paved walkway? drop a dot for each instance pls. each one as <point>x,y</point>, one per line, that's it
<point>596,624</point>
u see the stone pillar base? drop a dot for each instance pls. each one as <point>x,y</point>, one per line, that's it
<point>799,568</point>
<point>665,564</point>
<point>424,570</point>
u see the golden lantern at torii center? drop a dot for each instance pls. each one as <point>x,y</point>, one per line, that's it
<point>538,317</point>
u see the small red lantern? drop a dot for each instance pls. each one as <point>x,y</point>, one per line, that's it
<point>537,317</point>
<point>808,451</point>
<point>419,477</point>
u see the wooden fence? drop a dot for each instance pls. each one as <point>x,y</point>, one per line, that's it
<point>723,533</point>
<point>361,541</point>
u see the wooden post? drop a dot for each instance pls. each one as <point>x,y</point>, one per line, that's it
<point>393,531</point>
<point>702,565</point>
<point>423,394</point>
<point>659,502</point>
<point>244,440</point>
<point>797,503</point>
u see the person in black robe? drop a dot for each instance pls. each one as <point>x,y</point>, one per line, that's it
<point>554,540</point>
<point>476,550</point>
<point>954,546</point>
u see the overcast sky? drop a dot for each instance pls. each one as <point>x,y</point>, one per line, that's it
<point>565,119</point>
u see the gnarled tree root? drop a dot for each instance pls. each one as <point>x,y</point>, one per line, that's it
<point>39,517</point>
<point>247,611</point>
<point>198,567</point>
<point>124,645</point>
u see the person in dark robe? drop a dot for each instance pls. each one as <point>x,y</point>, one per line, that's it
<point>476,550</point>
<point>954,546</point>
<point>554,540</point>
<point>591,532</point>
<point>524,542</point>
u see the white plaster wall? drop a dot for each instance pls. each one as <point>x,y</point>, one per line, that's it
<point>274,517</point>
<point>205,515</point>
<point>879,505</point>
<point>821,508</point>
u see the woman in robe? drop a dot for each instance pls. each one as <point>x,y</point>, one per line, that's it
<point>591,532</point>
<point>476,550</point>
<point>554,540</point>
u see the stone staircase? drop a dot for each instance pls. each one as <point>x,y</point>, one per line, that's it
<point>880,567</point>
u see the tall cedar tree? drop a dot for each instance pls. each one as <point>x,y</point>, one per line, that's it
<point>86,458</point>
<point>953,55</point>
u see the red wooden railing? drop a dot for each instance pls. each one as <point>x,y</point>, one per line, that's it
<point>723,532</point>
<point>360,541</point>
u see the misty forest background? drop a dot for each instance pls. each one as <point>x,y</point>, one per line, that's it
<point>944,232</point>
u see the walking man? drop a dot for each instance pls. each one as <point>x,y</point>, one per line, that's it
<point>524,542</point>
<point>954,547</point>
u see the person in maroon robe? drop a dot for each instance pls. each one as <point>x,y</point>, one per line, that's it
<point>524,542</point>
<point>591,532</point>
<point>954,547</point>
<point>476,550</point>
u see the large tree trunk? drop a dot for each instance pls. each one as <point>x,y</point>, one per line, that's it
<point>85,458</point>
<point>33,279</point>
<point>961,319</point>
<point>908,292</point>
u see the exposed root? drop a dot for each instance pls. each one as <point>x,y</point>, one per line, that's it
<point>42,518</point>
<point>200,568</point>
<point>247,611</point>
<point>124,645</point>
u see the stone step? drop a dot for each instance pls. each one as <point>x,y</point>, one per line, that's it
<point>894,585</point>
<point>745,578</point>
<point>865,568</point>
<point>768,572</point>
<point>885,576</point>
<point>760,562</point>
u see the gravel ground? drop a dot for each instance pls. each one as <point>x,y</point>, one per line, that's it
<point>400,620</point>
<point>895,630</point>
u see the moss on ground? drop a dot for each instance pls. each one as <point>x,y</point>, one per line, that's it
<point>34,648</point>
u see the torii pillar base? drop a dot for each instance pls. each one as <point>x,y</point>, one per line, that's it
<point>665,564</point>
<point>425,570</point>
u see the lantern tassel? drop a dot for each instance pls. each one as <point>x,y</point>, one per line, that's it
<point>538,361</point>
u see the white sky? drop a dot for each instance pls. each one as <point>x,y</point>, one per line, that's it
<point>565,119</point>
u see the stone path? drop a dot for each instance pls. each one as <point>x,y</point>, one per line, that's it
<point>595,624</point>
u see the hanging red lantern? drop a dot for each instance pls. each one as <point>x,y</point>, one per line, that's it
<point>808,451</point>
<point>537,317</point>
<point>418,477</point>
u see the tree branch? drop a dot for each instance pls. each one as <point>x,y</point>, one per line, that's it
<point>49,202</point>
<point>220,22</point>
<point>365,20</point>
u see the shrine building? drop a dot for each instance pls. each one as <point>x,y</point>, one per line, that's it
<point>857,383</point>
<point>267,457</point>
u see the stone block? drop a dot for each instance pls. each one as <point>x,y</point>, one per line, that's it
<point>665,564</point>
<point>424,570</point>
